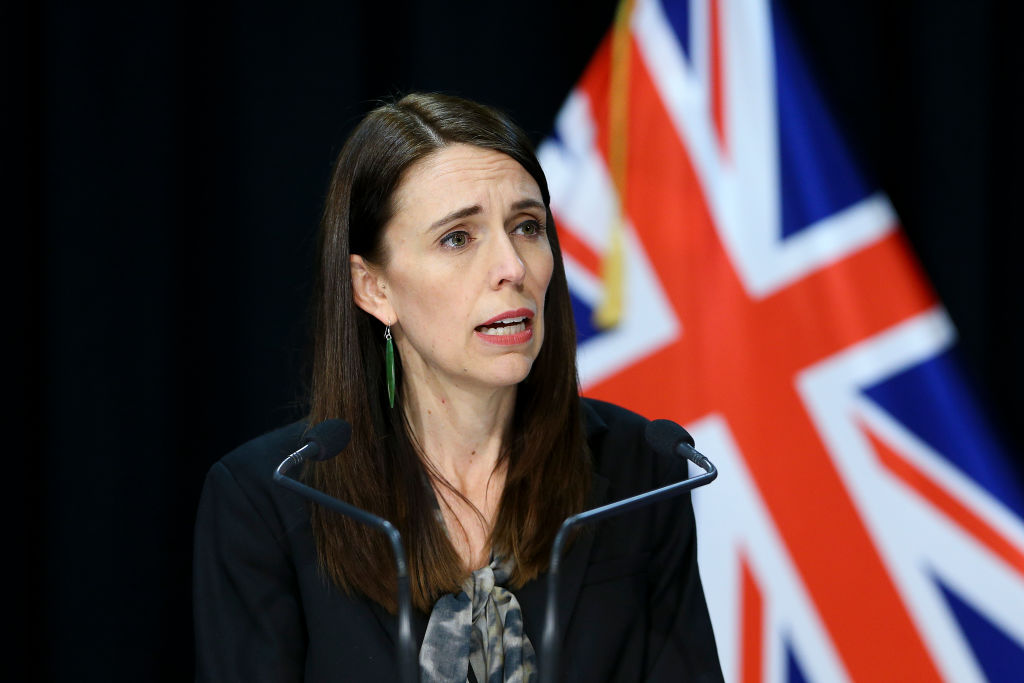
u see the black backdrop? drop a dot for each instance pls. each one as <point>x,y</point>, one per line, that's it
<point>166,162</point>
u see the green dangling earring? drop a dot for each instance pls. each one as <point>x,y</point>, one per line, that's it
<point>389,364</point>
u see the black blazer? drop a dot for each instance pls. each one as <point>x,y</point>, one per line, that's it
<point>632,604</point>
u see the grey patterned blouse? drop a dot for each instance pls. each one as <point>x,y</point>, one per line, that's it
<point>478,632</point>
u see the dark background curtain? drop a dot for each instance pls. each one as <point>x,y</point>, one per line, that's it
<point>166,163</point>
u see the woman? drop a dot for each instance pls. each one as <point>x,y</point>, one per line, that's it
<point>444,335</point>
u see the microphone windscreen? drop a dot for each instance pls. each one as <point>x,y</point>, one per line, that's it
<point>664,435</point>
<point>330,436</point>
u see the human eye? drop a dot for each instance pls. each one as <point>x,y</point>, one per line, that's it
<point>529,228</point>
<point>456,239</point>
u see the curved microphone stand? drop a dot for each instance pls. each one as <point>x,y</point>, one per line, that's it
<point>549,652</point>
<point>407,656</point>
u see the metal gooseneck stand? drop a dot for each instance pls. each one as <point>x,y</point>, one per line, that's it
<point>549,647</point>
<point>407,656</point>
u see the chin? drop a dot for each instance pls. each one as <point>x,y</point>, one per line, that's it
<point>509,372</point>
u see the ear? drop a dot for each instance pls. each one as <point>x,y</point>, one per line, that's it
<point>369,290</point>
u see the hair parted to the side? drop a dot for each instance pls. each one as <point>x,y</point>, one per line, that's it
<point>382,470</point>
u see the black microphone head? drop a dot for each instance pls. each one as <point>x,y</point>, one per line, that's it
<point>664,435</point>
<point>330,437</point>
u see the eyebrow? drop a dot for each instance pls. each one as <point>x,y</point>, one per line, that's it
<point>456,215</point>
<point>528,204</point>
<point>475,209</point>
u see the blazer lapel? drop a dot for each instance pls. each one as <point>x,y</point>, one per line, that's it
<point>533,596</point>
<point>389,622</point>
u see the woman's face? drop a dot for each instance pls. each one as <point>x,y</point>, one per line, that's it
<point>467,267</point>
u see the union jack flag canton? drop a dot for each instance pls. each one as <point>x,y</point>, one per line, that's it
<point>866,524</point>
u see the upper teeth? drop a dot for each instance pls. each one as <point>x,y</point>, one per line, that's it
<point>495,329</point>
<point>509,321</point>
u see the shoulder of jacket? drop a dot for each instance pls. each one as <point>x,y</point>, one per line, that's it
<point>601,416</point>
<point>256,459</point>
<point>618,443</point>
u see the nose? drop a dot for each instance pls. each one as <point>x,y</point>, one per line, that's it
<point>507,266</point>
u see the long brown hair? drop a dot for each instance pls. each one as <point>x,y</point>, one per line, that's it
<point>382,470</point>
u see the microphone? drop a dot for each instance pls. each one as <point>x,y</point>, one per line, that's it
<point>323,442</point>
<point>663,436</point>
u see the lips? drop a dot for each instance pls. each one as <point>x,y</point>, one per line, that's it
<point>507,328</point>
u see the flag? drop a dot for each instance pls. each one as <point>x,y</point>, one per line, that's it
<point>732,269</point>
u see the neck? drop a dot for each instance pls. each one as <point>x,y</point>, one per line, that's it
<point>461,430</point>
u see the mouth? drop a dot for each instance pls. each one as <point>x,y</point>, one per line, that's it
<point>510,327</point>
<point>504,327</point>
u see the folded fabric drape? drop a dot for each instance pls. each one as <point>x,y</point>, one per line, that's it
<point>479,627</point>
